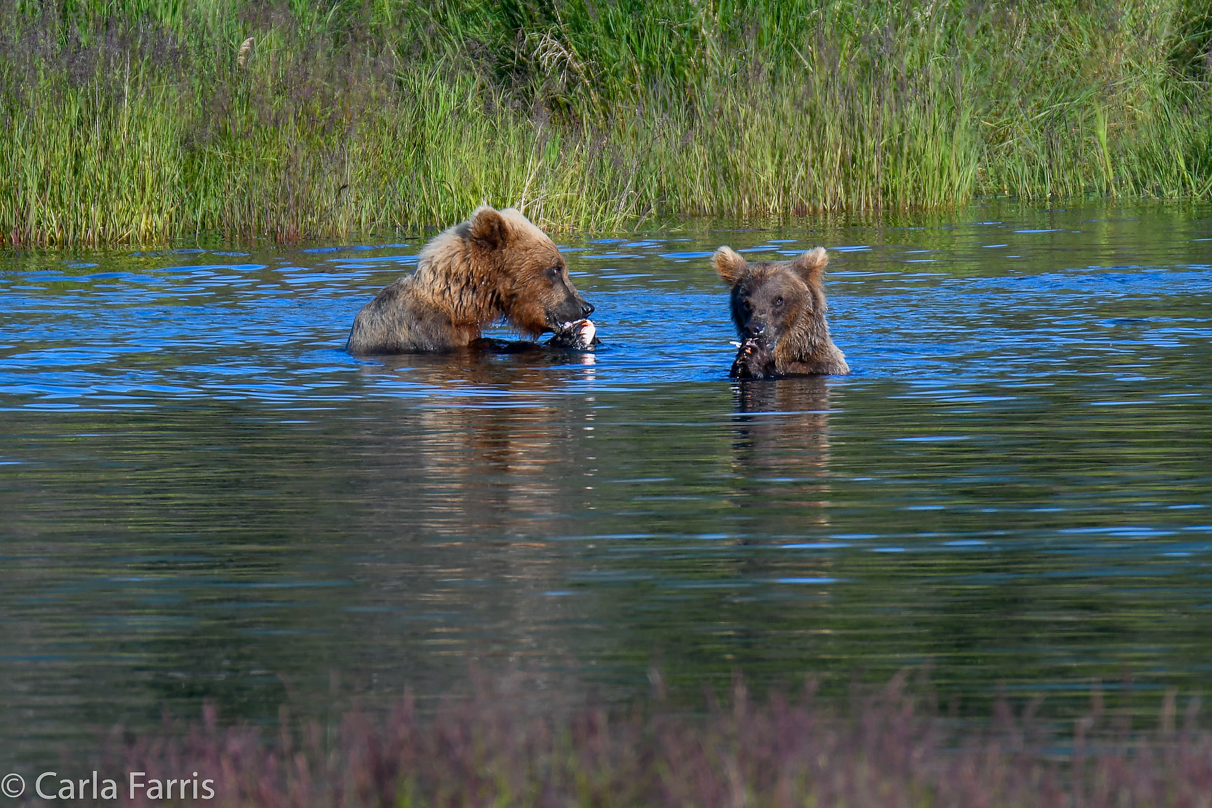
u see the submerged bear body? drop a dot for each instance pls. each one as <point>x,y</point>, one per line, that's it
<point>495,267</point>
<point>779,312</point>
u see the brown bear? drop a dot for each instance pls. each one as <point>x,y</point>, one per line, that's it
<point>779,311</point>
<point>494,267</point>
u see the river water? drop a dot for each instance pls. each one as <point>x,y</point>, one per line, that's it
<point>203,497</point>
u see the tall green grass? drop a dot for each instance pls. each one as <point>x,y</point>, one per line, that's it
<point>137,120</point>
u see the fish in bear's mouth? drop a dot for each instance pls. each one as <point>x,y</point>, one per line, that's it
<point>576,335</point>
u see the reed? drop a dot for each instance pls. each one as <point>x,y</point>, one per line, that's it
<point>131,121</point>
<point>888,747</point>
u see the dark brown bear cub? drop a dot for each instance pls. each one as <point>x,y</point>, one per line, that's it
<point>779,311</point>
<point>495,267</point>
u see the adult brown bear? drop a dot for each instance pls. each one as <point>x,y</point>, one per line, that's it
<point>494,267</point>
<point>779,311</point>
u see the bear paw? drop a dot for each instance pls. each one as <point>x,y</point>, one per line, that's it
<point>754,360</point>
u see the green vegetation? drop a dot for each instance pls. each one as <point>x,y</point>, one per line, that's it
<point>150,120</point>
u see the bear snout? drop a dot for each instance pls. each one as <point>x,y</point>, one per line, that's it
<point>571,308</point>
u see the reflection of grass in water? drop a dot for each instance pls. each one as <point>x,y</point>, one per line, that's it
<point>146,120</point>
<point>498,748</point>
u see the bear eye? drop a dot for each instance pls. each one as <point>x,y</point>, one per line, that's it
<point>554,271</point>
<point>778,302</point>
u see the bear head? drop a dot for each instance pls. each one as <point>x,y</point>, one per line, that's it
<point>779,311</point>
<point>532,288</point>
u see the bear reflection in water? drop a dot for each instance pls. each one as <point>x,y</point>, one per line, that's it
<point>469,481</point>
<point>493,470</point>
<point>781,450</point>
<point>488,443</point>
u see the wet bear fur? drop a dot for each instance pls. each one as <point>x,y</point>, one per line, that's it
<point>495,267</point>
<point>779,311</point>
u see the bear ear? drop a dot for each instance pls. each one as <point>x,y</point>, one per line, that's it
<point>729,265</point>
<point>488,228</point>
<point>811,265</point>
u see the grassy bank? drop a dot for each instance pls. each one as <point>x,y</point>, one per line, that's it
<point>150,120</point>
<point>885,749</point>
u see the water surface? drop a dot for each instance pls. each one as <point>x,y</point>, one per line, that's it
<point>203,497</point>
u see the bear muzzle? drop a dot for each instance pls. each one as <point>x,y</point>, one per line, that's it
<point>567,312</point>
<point>755,330</point>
